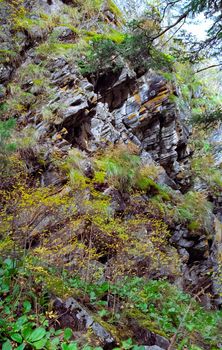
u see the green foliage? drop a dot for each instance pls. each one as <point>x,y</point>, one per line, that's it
<point>100,54</point>
<point>30,328</point>
<point>124,170</point>
<point>32,23</point>
<point>108,51</point>
<point>6,55</point>
<point>54,49</point>
<point>19,100</point>
<point>121,169</point>
<point>197,94</point>
<point>114,9</point>
<point>207,117</point>
<point>6,128</point>
<point>112,35</point>
<point>6,144</point>
<point>203,168</point>
<point>157,305</point>
<point>195,207</point>
<point>211,9</point>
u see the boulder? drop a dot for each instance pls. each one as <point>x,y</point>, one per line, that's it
<point>5,73</point>
<point>153,347</point>
<point>83,316</point>
<point>185,243</point>
<point>146,337</point>
<point>72,115</point>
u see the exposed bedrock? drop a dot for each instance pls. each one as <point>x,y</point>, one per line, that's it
<point>121,108</point>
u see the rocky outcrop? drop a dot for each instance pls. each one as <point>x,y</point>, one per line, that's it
<point>142,112</point>
<point>89,113</point>
<point>80,318</point>
<point>132,109</point>
<point>115,107</point>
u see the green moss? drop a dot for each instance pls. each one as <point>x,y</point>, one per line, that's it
<point>73,29</point>
<point>99,177</point>
<point>193,225</point>
<point>146,183</point>
<point>144,321</point>
<point>109,328</point>
<point>55,49</point>
<point>27,23</point>
<point>114,9</point>
<point>113,35</point>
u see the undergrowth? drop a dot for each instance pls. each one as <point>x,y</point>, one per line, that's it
<point>28,319</point>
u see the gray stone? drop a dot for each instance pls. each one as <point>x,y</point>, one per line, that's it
<point>102,112</point>
<point>146,158</point>
<point>216,142</point>
<point>52,177</point>
<point>2,91</point>
<point>162,342</point>
<point>144,93</point>
<point>49,8</point>
<point>84,316</point>
<point>117,202</point>
<point>74,100</point>
<point>86,85</point>
<point>184,243</point>
<point>184,255</point>
<point>103,130</point>
<point>126,74</point>
<point>176,236</point>
<point>202,246</point>
<point>70,115</point>
<point>153,347</point>
<point>164,179</point>
<point>63,33</point>
<point>5,73</point>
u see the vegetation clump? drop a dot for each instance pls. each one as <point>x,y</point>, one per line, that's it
<point>28,320</point>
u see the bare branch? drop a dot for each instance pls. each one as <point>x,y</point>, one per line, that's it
<point>182,17</point>
<point>208,67</point>
<point>166,7</point>
<point>174,33</point>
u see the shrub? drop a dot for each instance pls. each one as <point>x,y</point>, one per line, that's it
<point>121,166</point>
<point>19,100</point>
<point>207,117</point>
<point>107,51</point>
<point>194,207</point>
<point>102,54</point>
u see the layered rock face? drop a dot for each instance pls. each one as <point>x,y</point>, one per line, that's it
<point>64,208</point>
<point>120,108</point>
<point>142,112</point>
<point>89,113</point>
<point>115,107</point>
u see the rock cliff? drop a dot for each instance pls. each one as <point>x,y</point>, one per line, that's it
<point>153,231</point>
